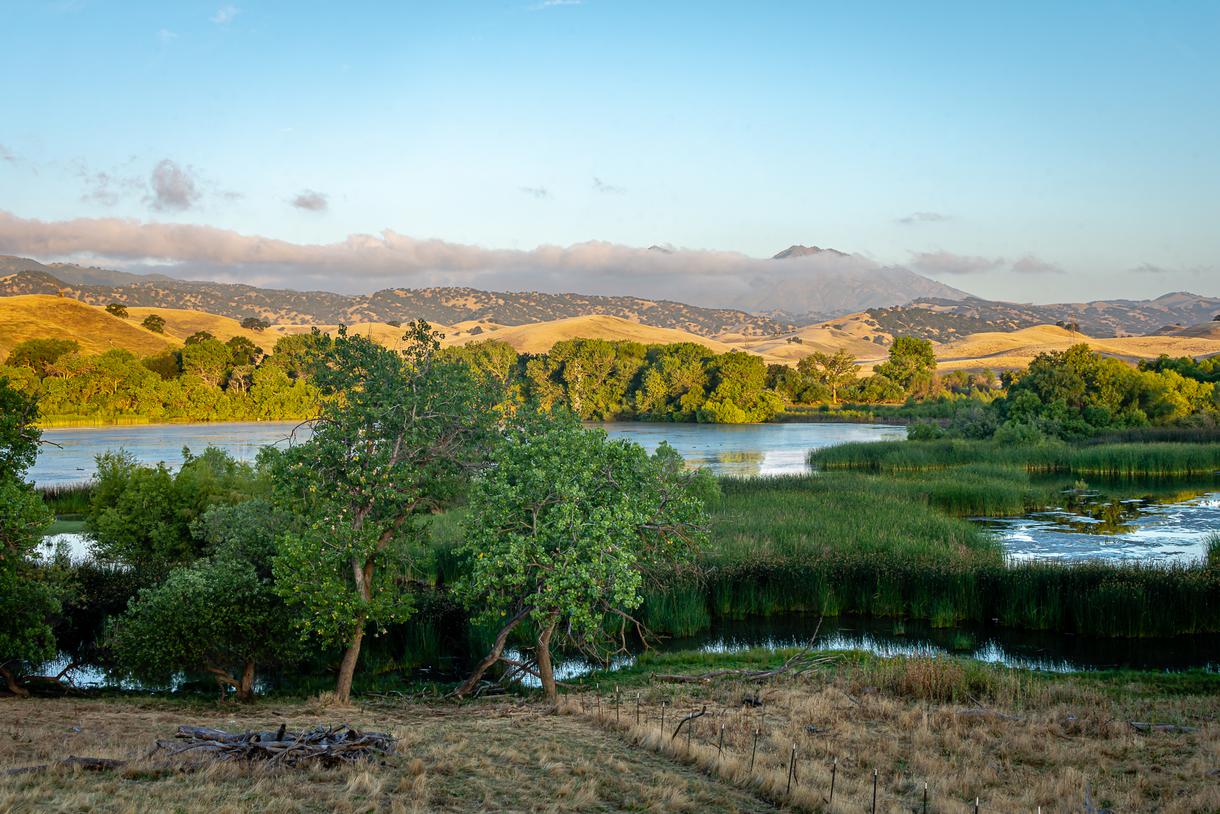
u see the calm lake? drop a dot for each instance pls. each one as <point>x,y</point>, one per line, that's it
<point>745,449</point>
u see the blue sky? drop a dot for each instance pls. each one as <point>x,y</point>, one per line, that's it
<point>1027,151</point>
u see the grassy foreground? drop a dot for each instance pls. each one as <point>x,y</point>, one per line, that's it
<point>1015,739</point>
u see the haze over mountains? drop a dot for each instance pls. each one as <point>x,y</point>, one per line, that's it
<point>809,285</point>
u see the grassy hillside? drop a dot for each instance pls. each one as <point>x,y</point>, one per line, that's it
<point>45,316</point>
<point>181,323</point>
<point>540,336</point>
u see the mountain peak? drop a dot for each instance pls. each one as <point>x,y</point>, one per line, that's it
<point>799,250</point>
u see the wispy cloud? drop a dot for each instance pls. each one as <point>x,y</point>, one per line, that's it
<point>545,4</point>
<point>608,189</point>
<point>172,188</point>
<point>165,36</point>
<point>916,218</point>
<point>311,200</point>
<point>1149,268</point>
<point>225,14</point>
<point>943,262</point>
<point>536,192</point>
<point>1029,264</point>
<point>7,155</point>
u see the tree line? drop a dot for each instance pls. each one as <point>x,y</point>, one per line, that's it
<point>595,379</point>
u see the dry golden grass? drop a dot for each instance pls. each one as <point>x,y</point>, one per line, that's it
<point>1032,744</point>
<point>44,316</point>
<point>1015,349</point>
<point>479,757</point>
<point>181,323</point>
<point>540,336</point>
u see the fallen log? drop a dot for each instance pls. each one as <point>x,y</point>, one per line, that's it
<point>329,746</point>
<point>1140,726</point>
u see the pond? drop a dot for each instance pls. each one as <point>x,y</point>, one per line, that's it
<point>1117,521</point>
<point>749,449</point>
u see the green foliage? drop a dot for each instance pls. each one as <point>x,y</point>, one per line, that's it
<point>154,323</point>
<point>27,601</point>
<point>911,364</point>
<point>142,516</point>
<point>398,436</point>
<point>214,615</point>
<point>833,371</point>
<point>565,525</point>
<point>255,324</point>
<point>40,355</point>
<point>117,309</point>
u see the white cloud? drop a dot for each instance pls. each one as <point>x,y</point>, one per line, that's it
<point>916,218</point>
<point>173,188</point>
<point>311,200</point>
<point>545,4</point>
<point>166,36</point>
<point>364,262</point>
<point>1029,264</point>
<point>225,14</point>
<point>609,189</point>
<point>943,262</point>
<point>536,192</point>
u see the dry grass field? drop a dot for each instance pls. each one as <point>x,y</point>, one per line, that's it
<point>540,336</point>
<point>1017,741</point>
<point>479,757</point>
<point>44,316</point>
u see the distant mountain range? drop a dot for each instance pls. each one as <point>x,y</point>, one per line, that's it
<point>440,305</point>
<point>893,301</point>
<point>944,320</point>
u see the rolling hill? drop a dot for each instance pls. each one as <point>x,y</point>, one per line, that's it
<point>539,337</point>
<point>438,305</point>
<point>41,316</point>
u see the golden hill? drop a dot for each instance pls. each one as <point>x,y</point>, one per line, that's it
<point>540,336</point>
<point>1015,349</point>
<point>45,316</point>
<point>181,323</point>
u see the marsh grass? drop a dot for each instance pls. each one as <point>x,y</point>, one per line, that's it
<point>1118,460</point>
<point>887,546</point>
<point>70,499</point>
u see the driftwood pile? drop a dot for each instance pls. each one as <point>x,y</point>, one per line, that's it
<point>327,745</point>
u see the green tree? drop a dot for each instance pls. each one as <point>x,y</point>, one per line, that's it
<point>209,359</point>
<point>397,438</point>
<point>27,602</point>
<point>215,615</point>
<point>563,529</point>
<point>242,351</point>
<point>142,516</point>
<point>739,391</point>
<point>911,363</point>
<point>154,323</point>
<point>834,371</point>
<point>117,309</point>
<point>40,354</point>
<point>255,324</point>
<point>198,336</point>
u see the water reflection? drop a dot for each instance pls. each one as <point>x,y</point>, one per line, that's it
<point>742,450</point>
<point>1118,521</point>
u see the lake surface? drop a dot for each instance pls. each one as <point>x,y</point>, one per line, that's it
<point>1163,524</point>
<point>750,449</point>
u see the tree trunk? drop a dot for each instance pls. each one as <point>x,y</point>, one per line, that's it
<point>10,681</point>
<point>492,656</point>
<point>343,688</point>
<point>546,672</point>
<point>245,690</point>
